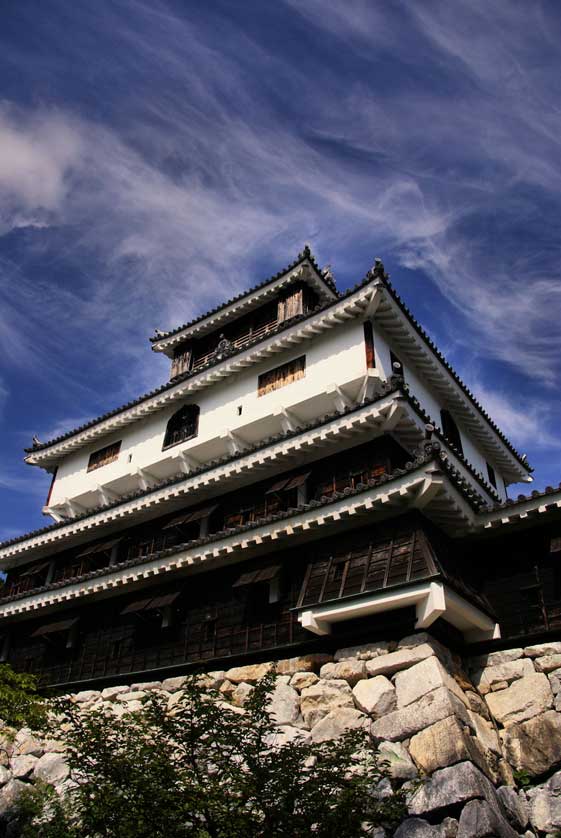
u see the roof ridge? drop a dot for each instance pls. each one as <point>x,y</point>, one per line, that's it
<point>379,272</point>
<point>286,324</point>
<point>394,385</point>
<point>432,454</point>
<point>204,467</point>
<point>304,254</point>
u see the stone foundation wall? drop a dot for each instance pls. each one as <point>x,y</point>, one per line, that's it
<point>472,730</point>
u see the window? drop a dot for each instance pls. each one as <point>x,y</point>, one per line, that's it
<point>291,305</point>
<point>450,430</point>
<point>184,424</point>
<point>369,345</point>
<point>181,361</point>
<point>104,456</point>
<point>280,376</point>
<point>491,475</point>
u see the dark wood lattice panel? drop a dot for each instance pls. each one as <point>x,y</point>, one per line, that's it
<point>379,563</point>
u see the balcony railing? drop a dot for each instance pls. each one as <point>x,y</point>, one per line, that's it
<point>237,343</point>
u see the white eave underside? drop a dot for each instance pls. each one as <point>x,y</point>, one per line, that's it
<point>370,300</point>
<point>347,309</point>
<point>390,414</point>
<point>403,336</point>
<point>424,488</point>
<point>528,511</point>
<point>212,322</point>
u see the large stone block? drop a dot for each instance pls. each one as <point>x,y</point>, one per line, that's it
<point>209,680</point>
<point>524,699</point>
<point>479,819</point>
<point>417,828</point>
<point>284,704</point>
<point>494,658</point>
<point>534,745</point>
<point>433,707</point>
<point>395,757</point>
<point>421,638</point>
<point>25,742</point>
<point>9,795</point>
<point>375,696</point>
<point>450,787</point>
<point>485,733</point>
<point>320,699</point>
<point>304,663</point>
<point>111,693</point>
<point>301,680</point>
<point>52,769</point>
<point>22,767</point>
<point>420,679</point>
<point>86,697</point>
<point>284,734</point>
<point>545,805</point>
<point>241,694</point>
<point>337,722</point>
<point>249,674</point>
<point>555,681</point>
<point>135,696</point>
<point>541,649</point>
<point>352,671</point>
<point>401,659</point>
<point>548,663</point>
<point>486,679</point>
<point>365,652</point>
<point>515,806</point>
<point>444,743</point>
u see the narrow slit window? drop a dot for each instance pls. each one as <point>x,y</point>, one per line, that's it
<point>450,430</point>
<point>104,456</point>
<point>369,345</point>
<point>281,376</point>
<point>491,475</point>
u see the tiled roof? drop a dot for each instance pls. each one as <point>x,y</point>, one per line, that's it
<point>419,329</point>
<point>432,453</point>
<point>395,385</point>
<point>535,495</point>
<point>376,273</point>
<point>287,324</point>
<point>306,254</point>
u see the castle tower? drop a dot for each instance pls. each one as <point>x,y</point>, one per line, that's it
<point>314,470</point>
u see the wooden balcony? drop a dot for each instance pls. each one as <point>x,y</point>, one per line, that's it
<point>236,343</point>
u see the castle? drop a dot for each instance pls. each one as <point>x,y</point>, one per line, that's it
<point>313,475</point>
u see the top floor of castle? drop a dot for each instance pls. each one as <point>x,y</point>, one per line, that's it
<point>266,367</point>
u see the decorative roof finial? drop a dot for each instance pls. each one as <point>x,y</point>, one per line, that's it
<point>378,268</point>
<point>36,441</point>
<point>328,273</point>
<point>158,333</point>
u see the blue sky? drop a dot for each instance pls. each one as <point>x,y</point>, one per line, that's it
<point>157,157</point>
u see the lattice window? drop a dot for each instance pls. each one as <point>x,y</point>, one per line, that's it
<point>104,456</point>
<point>183,425</point>
<point>281,376</point>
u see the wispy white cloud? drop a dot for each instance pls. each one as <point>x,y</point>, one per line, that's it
<point>429,154</point>
<point>37,154</point>
<point>526,425</point>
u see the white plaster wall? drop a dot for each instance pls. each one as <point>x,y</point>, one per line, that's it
<point>430,402</point>
<point>336,357</point>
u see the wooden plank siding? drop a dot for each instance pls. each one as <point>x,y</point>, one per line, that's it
<point>253,503</point>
